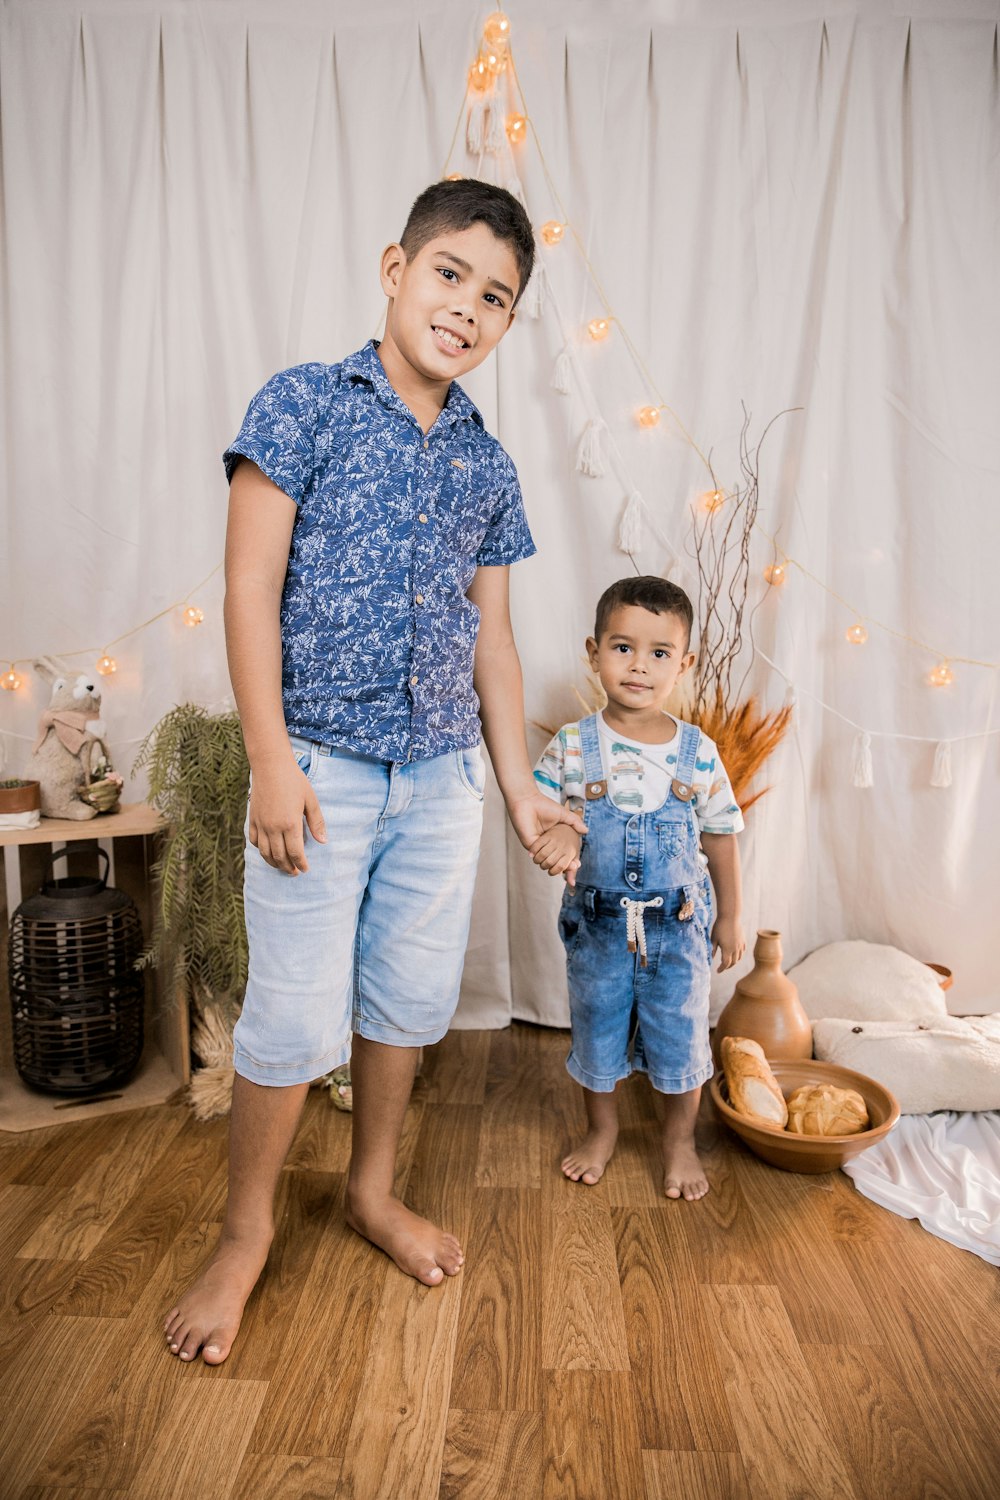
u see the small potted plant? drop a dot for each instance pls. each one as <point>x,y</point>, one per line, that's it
<point>20,803</point>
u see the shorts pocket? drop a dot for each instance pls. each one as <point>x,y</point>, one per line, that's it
<point>472,771</point>
<point>305,752</point>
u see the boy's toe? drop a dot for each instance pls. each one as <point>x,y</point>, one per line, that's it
<point>216,1347</point>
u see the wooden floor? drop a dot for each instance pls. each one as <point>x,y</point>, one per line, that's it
<point>782,1338</point>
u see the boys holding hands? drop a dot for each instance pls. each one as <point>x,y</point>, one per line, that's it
<point>636,918</point>
<point>372,522</point>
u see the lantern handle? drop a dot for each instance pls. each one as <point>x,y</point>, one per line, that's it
<point>67,854</point>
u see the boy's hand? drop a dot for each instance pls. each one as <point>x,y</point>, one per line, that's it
<point>535,813</point>
<point>557,850</point>
<point>280,797</point>
<point>727,936</point>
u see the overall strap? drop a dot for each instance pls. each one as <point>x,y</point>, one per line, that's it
<point>593,766</point>
<point>687,754</point>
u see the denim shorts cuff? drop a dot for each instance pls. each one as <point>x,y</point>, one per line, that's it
<point>283,1075</point>
<point>684,1085</point>
<point>597,1084</point>
<point>391,1036</point>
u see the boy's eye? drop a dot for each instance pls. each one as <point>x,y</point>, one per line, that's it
<point>622,648</point>
<point>661,655</point>
<point>492,297</point>
<point>447,271</point>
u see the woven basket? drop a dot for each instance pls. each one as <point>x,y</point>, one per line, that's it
<point>104,795</point>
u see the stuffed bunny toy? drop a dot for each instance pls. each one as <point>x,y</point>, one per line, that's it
<point>70,740</point>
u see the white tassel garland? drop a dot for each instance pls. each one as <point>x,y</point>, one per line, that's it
<point>534,294</point>
<point>496,128</point>
<point>941,774</point>
<point>475,129</point>
<point>630,526</point>
<point>791,696</point>
<point>590,454</point>
<point>861,768</point>
<point>562,373</point>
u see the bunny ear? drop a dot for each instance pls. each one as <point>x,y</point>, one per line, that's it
<point>50,667</point>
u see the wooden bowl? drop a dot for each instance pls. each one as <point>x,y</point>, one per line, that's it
<point>810,1153</point>
<point>945,976</point>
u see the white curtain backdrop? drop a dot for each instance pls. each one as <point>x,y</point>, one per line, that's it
<point>788,204</point>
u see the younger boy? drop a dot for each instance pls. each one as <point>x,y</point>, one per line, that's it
<point>372,521</point>
<point>636,918</point>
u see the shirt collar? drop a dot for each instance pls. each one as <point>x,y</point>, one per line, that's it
<point>365,365</point>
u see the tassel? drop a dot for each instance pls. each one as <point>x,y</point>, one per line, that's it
<point>941,774</point>
<point>496,128</point>
<point>589,455</point>
<point>791,696</point>
<point>475,130</point>
<point>534,294</point>
<point>562,373</point>
<point>630,526</point>
<point>861,767</point>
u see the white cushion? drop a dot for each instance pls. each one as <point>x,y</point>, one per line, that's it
<point>946,1062</point>
<point>867,982</point>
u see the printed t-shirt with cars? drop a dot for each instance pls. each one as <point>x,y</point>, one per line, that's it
<point>639,775</point>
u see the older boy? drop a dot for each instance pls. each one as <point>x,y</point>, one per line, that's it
<point>372,522</point>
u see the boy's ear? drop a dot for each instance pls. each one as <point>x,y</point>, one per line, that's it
<point>686,664</point>
<point>591,649</point>
<point>391,268</point>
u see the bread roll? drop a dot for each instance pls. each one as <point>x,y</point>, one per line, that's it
<point>753,1088</point>
<point>823,1109</point>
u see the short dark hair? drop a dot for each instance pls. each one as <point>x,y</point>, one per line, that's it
<point>658,595</point>
<point>458,205</point>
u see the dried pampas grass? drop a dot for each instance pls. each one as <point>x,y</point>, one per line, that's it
<point>744,736</point>
<point>210,1091</point>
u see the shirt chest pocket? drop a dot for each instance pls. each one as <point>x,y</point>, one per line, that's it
<point>675,837</point>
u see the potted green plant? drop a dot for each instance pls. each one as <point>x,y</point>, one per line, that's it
<point>19,798</point>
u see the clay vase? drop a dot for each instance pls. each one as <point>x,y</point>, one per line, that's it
<point>765,1007</point>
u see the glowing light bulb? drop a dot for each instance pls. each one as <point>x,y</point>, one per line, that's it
<point>648,416</point>
<point>775,574</point>
<point>10,680</point>
<point>193,615</point>
<point>454,177</point>
<point>711,500</point>
<point>552,232</point>
<point>480,77</point>
<point>941,675</point>
<point>495,59</point>
<point>107,665</point>
<point>517,126</point>
<point>599,328</point>
<point>496,29</point>
<point>856,634</point>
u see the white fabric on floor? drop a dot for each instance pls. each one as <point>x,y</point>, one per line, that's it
<point>944,1170</point>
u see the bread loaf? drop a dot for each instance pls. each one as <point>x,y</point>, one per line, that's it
<point>753,1088</point>
<point>823,1109</point>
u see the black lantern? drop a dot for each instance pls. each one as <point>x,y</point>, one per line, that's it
<point>76,996</point>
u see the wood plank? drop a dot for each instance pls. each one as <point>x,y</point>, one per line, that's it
<point>591,1438</point>
<point>281,1477</point>
<point>199,1444</point>
<point>131,818</point>
<point>635,1172</point>
<point>498,1350</point>
<point>492,1456</point>
<point>454,1069</point>
<point>22,1209</point>
<point>77,1224</point>
<point>510,1136</point>
<point>783,1432</point>
<point>29,1290</point>
<point>678,1386</point>
<point>881,1431</point>
<point>57,1156</point>
<point>849,1215</point>
<point>724,1243</point>
<point>694,1476</point>
<point>583,1320</point>
<point>323,1140</point>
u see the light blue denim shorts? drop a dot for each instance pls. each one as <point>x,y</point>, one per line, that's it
<point>372,937</point>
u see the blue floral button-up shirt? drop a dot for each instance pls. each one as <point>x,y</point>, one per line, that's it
<point>377,633</point>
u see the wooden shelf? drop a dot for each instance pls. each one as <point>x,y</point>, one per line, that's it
<point>131,818</point>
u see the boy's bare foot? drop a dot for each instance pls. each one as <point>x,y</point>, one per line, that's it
<point>683,1173</point>
<point>418,1247</point>
<point>208,1315</point>
<point>587,1162</point>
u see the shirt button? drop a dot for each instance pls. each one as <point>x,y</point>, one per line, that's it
<point>413,682</point>
<point>633,876</point>
<point>427,442</point>
<point>420,598</point>
<point>422,519</point>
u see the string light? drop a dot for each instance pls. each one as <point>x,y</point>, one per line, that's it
<point>941,675</point>
<point>454,177</point>
<point>193,615</point>
<point>599,328</point>
<point>711,500</point>
<point>10,680</point>
<point>480,77</point>
<point>648,416</point>
<point>552,232</point>
<point>495,59</point>
<point>517,127</point>
<point>775,574</point>
<point>106,665</point>
<point>856,634</point>
<point>496,29</point>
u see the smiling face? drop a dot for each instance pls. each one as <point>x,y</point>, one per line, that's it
<point>640,658</point>
<point>448,306</point>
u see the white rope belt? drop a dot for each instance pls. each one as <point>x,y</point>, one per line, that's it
<point>635,927</point>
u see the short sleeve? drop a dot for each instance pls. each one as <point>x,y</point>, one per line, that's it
<point>716,808</point>
<point>507,538</point>
<point>279,429</point>
<point>559,769</point>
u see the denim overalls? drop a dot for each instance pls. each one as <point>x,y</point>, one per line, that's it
<point>636,929</point>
